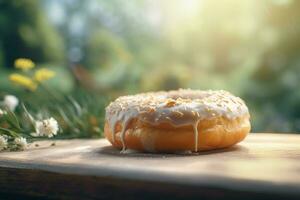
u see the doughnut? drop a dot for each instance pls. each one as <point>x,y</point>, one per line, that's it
<point>174,121</point>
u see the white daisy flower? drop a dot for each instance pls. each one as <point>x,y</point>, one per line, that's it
<point>21,143</point>
<point>47,127</point>
<point>3,142</point>
<point>2,112</point>
<point>11,102</point>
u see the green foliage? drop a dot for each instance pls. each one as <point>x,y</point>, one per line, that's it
<point>104,50</point>
<point>80,114</point>
<point>44,109</point>
<point>25,32</point>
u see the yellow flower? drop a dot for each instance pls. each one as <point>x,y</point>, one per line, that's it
<point>23,81</point>
<point>43,74</point>
<point>24,64</point>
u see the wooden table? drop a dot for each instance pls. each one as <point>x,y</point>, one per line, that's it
<point>264,166</point>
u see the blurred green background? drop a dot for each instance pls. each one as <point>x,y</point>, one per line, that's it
<point>110,48</point>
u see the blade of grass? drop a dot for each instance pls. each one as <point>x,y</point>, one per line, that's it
<point>29,116</point>
<point>75,104</point>
<point>13,120</point>
<point>64,116</point>
<point>11,133</point>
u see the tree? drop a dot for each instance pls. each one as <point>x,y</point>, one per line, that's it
<point>26,32</point>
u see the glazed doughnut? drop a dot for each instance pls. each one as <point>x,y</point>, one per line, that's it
<point>174,121</point>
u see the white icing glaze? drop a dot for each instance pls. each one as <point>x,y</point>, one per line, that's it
<point>178,108</point>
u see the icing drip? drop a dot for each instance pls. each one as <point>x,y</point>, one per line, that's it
<point>195,127</point>
<point>122,135</point>
<point>178,108</point>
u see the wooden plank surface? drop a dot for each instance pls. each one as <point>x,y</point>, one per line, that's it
<point>262,166</point>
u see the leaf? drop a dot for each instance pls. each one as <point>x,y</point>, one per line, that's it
<point>13,120</point>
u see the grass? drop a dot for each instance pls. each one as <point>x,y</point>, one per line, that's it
<point>80,113</point>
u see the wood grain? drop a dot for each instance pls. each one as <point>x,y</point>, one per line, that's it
<point>264,166</point>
